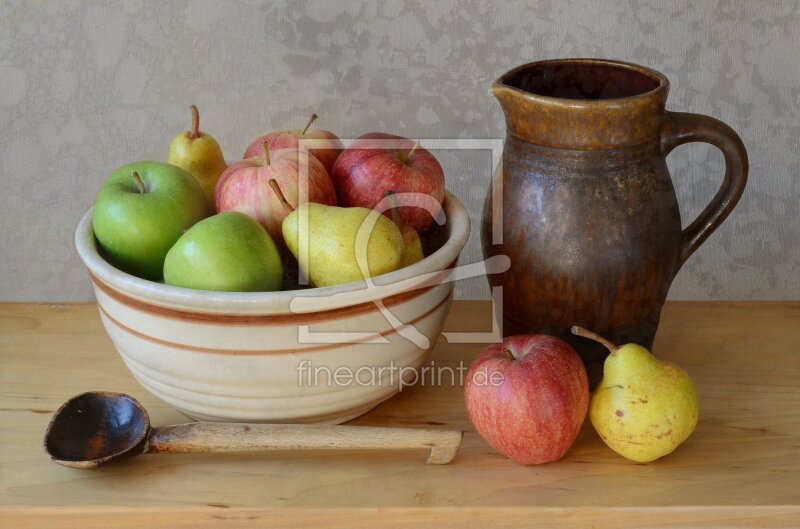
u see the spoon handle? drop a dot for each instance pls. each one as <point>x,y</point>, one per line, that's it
<point>238,437</point>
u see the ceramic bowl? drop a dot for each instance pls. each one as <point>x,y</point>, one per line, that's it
<point>274,356</point>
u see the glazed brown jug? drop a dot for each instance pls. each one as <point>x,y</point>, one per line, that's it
<point>584,206</point>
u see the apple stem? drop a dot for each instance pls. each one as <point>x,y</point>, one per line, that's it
<point>265,147</point>
<point>275,187</point>
<point>194,133</point>
<point>138,181</point>
<point>311,120</point>
<point>585,333</point>
<point>389,195</point>
<point>412,151</point>
<point>509,353</point>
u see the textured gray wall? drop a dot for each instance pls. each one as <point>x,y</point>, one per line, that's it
<point>88,86</point>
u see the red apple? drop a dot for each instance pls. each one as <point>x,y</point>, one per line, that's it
<point>244,187</point>
<point>377,163</point>
<point>527,397</point>
<point>328,147</point>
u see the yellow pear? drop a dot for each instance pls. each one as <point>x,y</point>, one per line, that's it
<point>336,247</point>
<point>643,408</point>
<point>412,244</point>
<point>199,154</point>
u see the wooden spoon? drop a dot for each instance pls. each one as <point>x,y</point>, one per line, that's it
<point>94,428</point>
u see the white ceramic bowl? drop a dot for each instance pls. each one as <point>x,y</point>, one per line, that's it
<point>247,356</point>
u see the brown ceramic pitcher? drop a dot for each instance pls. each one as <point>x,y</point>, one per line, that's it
<point>583,203</point>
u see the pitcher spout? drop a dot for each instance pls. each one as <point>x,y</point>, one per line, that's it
<point>582,104</point>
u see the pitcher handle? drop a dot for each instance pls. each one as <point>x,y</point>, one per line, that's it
<point>679,128</point>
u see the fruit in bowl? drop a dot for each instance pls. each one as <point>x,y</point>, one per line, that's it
<point>200,155</point>
<point>378,163</point>
<point>244,187</point>
<point>412,243</point>
<point>342,245</point>
<point>254,356</point>
<point>141,210</point>
<point>218,340</point>
<point>326,145</point>
<point>229,252</point>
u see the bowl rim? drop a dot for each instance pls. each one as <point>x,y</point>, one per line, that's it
<point>418,275</point>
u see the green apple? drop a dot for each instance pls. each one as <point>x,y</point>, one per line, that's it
<point>141,210</point>
<point>229,252</point>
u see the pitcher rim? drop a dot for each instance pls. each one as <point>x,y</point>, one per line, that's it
<point>662,88</point>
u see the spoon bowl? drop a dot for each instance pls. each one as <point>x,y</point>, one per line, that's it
<point>95,427</point>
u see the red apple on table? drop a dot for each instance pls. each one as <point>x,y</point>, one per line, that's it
<point>326,148</point>
<point>377,163</point>
<point>528,397</point>
<point>244,187</point>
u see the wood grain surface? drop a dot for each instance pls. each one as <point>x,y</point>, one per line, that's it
<point>740,468</point>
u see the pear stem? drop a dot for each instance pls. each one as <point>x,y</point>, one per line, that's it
<point>389,195</point>
<point>585,333</point>
<point>265,147</point>
<point>194,133</point>
<point>138,181</point>
<point>275,187</point>
<point>311,120</point>
<point>412,151</point>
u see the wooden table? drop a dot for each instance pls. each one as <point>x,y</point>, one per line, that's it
<point>740,468</point>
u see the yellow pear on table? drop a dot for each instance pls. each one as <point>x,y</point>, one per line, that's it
<point>200,155</point>
<point>334,244</point>
<point>412,244</point>
<point>643,408</point>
